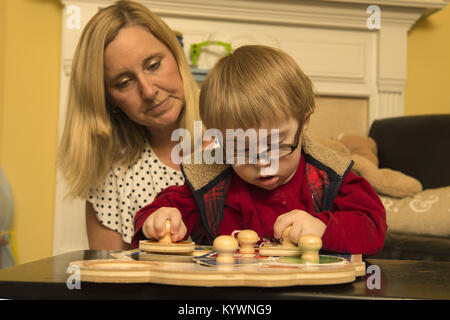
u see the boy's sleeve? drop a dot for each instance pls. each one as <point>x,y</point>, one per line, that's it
<point>357,222</point>
<point>179,197</point>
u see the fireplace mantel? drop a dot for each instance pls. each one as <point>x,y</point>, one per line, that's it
<point>330,39</point>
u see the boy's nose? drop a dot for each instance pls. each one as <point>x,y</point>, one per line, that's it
<point>263,162</point>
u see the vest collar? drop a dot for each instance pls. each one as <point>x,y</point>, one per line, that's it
<point>199,175</point>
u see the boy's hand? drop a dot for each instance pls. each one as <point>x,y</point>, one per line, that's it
<point>301,222</point>
<point>155,225</point>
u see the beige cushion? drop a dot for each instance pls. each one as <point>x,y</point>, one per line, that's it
<point>426,213</point>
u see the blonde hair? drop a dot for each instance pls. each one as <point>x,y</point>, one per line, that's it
<point>253,84</point>
<point>95,138</point>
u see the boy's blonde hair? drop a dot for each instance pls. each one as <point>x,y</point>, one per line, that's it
<point>95,138</point>
<point>253,84</point>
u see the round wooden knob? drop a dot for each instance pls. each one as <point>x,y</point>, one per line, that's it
<point>310,246</point>
<point>247,240</point>
<point>310,242</point>
<point>285,241</point>
<point>225,247</point>
<point>167,237</point>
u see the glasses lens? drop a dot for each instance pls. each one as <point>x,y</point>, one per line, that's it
<point>271,154</point>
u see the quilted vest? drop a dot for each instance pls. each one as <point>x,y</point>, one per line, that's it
<point>323,183</point>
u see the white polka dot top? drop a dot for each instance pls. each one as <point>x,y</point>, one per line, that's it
<point>124,192</point>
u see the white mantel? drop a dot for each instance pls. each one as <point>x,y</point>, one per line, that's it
<point>328,38</point>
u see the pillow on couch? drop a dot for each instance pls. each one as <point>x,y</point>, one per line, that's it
<point>426,213</point>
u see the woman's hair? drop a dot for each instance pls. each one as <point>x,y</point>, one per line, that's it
<point>253,84</point>
<point>95,138</point>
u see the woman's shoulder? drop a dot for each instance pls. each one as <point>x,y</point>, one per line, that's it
<point>146,172</point>
<point>146,161</point>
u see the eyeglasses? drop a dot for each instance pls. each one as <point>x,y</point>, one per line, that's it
<point>283,150</point>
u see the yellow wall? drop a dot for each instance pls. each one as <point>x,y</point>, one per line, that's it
<point>28,118</point>
<point>2,64</point>
<point>428,81</point>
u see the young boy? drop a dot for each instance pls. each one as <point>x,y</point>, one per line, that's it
<point>312,190</point>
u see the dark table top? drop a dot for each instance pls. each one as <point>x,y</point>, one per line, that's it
<point>400,279</point>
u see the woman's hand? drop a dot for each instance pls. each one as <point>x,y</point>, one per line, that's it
<point>301,223</point>
<point>155,225</point>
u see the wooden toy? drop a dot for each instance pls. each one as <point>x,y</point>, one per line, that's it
<point>166,238</point>
<point>165,244</point>
<point>285,241</point>
<point>225,247</point>
<point>247,240</point>
<point>192,274</point>
<point>310,246</point>
<point>228,266</point>
<point>285,248</point>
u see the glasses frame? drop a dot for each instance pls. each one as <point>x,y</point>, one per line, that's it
<point>292,146</point>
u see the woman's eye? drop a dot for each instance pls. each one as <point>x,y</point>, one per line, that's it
<point>153,65</point>
<point>123,83</point>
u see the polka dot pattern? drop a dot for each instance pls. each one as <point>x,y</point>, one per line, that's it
<point>126,190</point>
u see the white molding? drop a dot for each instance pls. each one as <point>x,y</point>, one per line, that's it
<point>391,104</point>
<point>330,13</point>
<point>337,14</point>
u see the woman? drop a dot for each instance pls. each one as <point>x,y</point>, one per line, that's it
<point>130,87</point>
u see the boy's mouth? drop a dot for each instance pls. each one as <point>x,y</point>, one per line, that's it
<point>267,180</point>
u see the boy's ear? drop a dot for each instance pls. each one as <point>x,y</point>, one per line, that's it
<point>306,122</point>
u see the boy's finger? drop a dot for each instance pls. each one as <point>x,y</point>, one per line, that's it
<point>295,232</point>
<point>149,228</point>
<point>180,233</point>
<point>175,220</point>
<point>160,225</point>
<point>280,225</point>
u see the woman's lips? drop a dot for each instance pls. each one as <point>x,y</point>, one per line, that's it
<point>158,106</point>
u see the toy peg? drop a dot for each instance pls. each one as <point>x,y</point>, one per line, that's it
<point>225,247</point>
<point>285,241</point>
<point>167,237</point>
<point>247,240</point>
<point>310,246</point>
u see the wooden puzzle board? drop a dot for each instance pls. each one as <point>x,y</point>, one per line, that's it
<point>193,274</point>
<point>201,270</point>
<point>205,255</point>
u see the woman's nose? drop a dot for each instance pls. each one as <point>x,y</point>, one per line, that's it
<point>148,88</point>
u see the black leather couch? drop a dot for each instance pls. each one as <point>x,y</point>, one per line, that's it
<point>418,146</point>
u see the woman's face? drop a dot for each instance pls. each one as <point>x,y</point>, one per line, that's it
<point>142,78</point>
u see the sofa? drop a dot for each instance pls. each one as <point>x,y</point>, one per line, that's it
<point>418,225</point>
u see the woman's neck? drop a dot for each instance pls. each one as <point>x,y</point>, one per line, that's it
<point>161,143</point>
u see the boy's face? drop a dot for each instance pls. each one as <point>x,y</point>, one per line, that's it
<point>257,174</point>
